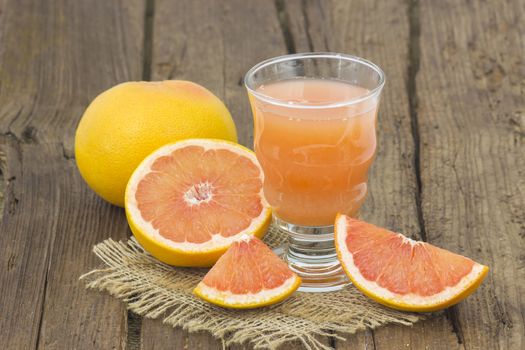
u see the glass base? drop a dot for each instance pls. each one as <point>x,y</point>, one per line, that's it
<point>310,253</point>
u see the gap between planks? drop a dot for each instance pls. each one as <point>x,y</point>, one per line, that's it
<point>134,321</point>
<point>284,22</point>
<point>414,51</point>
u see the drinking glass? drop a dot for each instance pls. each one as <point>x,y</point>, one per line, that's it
<point>315,138</point>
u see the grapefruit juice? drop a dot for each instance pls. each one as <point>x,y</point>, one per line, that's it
<point>315,138</point>
<point>315,147</point>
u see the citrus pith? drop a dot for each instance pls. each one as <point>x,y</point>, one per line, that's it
<point>188,201</point>
<point>401,273</point>
<point>248,275</point>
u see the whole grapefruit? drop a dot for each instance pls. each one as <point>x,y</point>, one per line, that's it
<point>130,120</point>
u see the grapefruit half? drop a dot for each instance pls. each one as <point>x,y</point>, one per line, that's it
<point>248,275</point>
<point>401,273</point>
<point>188,201</point>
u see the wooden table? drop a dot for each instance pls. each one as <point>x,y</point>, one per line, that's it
<point>450,168</point>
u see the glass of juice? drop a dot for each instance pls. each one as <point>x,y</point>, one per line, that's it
<point>315,138</point>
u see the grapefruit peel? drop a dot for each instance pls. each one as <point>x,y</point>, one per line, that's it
<point>450,295</point>
<point>248,300</point>
<point>187,253</point>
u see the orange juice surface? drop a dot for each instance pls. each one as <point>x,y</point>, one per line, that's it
<point>315,154</point>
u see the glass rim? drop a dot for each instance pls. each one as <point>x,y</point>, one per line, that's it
<point>330,55</point>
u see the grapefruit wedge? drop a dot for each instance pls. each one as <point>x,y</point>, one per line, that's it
<point>248,275</point>
<point>401,273</point>
<point>188,201</point>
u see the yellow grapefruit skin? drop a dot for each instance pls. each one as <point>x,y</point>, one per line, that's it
<point>249,275</point>
<point>219,299</point>
<point>179,257</point>
<point>179,232</point>
<point>130,120</point>
<point>402,273</point>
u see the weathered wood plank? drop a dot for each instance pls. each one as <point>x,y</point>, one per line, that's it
<point>435,333</point>
<point>471,93</point>
<point>383,38</point>
<point>156,336</point>
<point>212,43</point>
<point>54,58</point>
<point>474,179</point>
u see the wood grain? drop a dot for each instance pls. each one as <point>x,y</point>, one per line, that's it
<point>451,133</point>
<point>383,38</point>
<point>212,43</point>
<point>54,58</point>
<point>471,93</point>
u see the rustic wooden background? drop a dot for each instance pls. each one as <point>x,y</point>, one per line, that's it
<point>450,168</point>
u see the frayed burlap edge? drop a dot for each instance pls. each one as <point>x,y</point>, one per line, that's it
<point>153,289</point>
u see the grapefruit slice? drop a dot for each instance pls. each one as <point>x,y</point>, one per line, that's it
<point>401,273</point>
<point>188,201</point>
<point>248,275</point>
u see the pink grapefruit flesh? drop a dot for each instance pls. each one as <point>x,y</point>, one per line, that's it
<point>188,201</point>
<point>248,275</point>
<point>400,272</point>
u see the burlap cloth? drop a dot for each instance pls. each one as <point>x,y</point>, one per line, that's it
<point>153,289</point>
